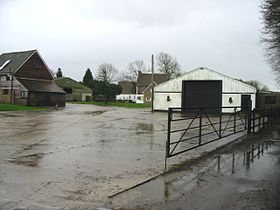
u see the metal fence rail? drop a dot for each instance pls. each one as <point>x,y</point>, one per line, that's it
<point>261,118</point>
<point>189,128</point>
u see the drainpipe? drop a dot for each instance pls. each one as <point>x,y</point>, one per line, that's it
<point>12,86</point>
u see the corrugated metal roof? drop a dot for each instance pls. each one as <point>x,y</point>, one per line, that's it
<point>202,73</point>
<point>40,86</point>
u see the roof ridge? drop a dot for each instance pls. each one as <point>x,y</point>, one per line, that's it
<point>19,52</point>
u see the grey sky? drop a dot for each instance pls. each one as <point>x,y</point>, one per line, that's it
<point>222,35</point>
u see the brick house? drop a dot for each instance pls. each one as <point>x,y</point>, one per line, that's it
<point>144,85</point>
<point>26,79</point>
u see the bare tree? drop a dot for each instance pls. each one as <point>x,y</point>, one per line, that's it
<point>133,68</point>
<point>258,85</point>
<point>270,10</point>
<point>107,73</point>
<point>168,65</point>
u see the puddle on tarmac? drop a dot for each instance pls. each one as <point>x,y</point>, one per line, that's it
<point>250,165</point>
<point>93,113</point>
<point>7,115</point>
<point>28,160</point>
<point>89,113</point>
<point>144,128</point>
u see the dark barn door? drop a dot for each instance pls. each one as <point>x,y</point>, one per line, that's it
<point>202,93</point>
<point>245,100</point>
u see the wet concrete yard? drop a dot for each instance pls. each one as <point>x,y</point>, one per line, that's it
<point>242,175</point>
<point>76,157</point>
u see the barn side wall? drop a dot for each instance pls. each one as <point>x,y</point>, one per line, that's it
<point>230,88</point>
<point>161,103</point>
<point>46,99</point>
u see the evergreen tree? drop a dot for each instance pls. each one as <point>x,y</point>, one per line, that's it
<point>88,78</point>
<point>59,73</point>
<point>104,91</point>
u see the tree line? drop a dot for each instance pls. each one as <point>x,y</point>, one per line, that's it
<point>104,85</point>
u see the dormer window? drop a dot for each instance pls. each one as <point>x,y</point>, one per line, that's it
<point>35,64</point>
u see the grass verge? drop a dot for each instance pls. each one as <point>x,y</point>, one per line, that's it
<point>14,107</point>
<point>116,104</point>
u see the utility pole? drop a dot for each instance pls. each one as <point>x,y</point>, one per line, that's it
<point>12,86</point>
<point>152,84</point>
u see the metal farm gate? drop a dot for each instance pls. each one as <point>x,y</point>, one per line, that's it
<point>190,128</point>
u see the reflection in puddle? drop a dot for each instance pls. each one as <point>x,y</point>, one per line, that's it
<point>248,158</point>
<point>89,113</point>
<point>28,160</point>
<point>7,115</point>
<point>144,128</point>
<point>239,167</point>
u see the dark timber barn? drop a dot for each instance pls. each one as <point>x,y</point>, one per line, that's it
<point>26,79</point>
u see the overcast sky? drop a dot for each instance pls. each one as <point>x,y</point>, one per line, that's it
<point>75,35</point>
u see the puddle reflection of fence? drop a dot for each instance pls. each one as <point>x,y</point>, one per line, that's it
<point>231,163</point>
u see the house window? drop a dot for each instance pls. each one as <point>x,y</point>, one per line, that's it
<point>270,100</point>
<point>5,91</point>
<point>24,94</point>
<point>68,90</point>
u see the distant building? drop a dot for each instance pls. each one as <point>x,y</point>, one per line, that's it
<point>128,91</point>
<point>26,79</point>
<point>75,91</point>
<point>268,99</point>
<point>144,86</point>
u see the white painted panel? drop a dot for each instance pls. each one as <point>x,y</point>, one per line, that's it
<point>161,103</point>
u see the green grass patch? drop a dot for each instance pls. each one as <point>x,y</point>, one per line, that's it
<point>14,107</point>
<point>116,104</point>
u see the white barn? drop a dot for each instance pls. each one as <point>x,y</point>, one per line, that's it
<point>203,87</point>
